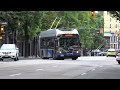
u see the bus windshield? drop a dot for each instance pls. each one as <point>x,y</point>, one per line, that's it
<point>69,42</point>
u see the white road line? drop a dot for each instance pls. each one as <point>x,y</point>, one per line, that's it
<point>39,69</point>
<point>15,74</point>
<point>100,66</point>
<point>54,66</point>
<point>83,73</point>
<point>92,69</point>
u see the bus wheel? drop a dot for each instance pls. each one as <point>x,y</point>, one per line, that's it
<point>74,58</point>
<point>61,58</point>
<point>54,58</point>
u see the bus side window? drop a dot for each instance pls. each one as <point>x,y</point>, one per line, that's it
<point>80,44</point>
<point>56,42</point>
<point>51,44</point>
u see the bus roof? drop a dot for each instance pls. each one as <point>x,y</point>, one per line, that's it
<point>57,32</point>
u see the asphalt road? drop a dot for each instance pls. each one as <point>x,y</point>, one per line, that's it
<point>99,67</point>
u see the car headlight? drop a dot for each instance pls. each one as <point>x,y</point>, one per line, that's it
<point>77,52</point>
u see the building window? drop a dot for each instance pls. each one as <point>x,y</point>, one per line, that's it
<point>111,39</point>
<point>114,46</point>
<point>110,19</point>
<point>114,39</point>
<point>110,45</point>
<point>110,25</point>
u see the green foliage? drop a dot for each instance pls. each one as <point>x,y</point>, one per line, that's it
<point>38,21</point>
<point>115,14</point>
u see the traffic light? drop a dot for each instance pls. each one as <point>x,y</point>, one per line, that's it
<point>92,13</point>
<point>2,29</point>
<point>2,32</point>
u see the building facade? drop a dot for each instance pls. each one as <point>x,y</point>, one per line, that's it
<point>111,29</point>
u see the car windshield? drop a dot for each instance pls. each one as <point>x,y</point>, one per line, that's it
<point>7,47</point>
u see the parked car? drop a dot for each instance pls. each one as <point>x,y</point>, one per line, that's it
<point>9,51</point>
<point>95,52</point>
<point>111,52</point>
<point>102,53</point>
<point>118,57</point>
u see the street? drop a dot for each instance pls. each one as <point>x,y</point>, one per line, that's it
<point>98,67</point>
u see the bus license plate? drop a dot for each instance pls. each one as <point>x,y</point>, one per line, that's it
<point>70,53</point>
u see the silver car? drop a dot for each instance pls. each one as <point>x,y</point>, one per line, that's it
<point>9,51</point>
<point>118,57</point>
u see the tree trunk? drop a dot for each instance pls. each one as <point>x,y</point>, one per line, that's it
<point>26,38</point>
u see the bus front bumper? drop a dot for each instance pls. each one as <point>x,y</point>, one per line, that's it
<point>68,55</point>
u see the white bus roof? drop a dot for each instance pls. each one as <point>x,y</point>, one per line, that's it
<point>56,32</point>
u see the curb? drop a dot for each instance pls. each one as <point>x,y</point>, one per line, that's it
<point>28,58</point>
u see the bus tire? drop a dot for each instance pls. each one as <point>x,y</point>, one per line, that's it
<point>54,58</point>
<point>74,58</point>
<point>61,58</point>
<point>42,56</point>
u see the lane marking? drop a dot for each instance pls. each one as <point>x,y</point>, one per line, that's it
<point>39,69</point>
<point>100,66</point>
<point>92,69</point>
<point>15,74</point>
<point>83,73</point>
<point>54,66</point>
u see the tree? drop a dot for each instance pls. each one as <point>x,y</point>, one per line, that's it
<point>115,14</point>
<point>29,23</point>
<point>80,20</point>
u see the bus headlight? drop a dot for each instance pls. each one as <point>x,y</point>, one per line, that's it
<point>60,52</point>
